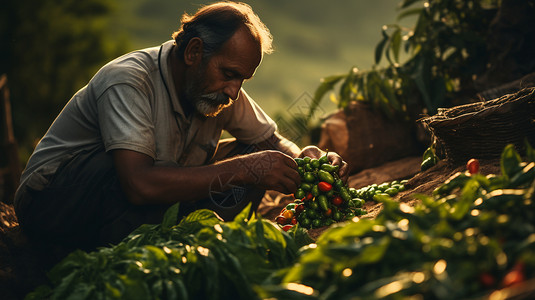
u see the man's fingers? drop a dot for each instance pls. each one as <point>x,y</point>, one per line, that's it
<point>344,167</point>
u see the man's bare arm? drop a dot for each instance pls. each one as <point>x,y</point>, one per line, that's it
<point>145,183</point>
<point>280,143</point>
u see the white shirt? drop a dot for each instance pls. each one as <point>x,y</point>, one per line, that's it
<point>131,103</point>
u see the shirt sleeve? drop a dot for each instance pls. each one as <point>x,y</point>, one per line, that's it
<point>247,122</point>
<point>124,115</point>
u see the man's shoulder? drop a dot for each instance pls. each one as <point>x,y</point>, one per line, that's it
<point>136,67</point>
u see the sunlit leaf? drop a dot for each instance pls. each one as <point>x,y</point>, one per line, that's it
<point>406,3</point>
<point>396,44</point>
<point>510,161</point>
<point>408,13</point>
<point>326,85</point>
<point>170,217</point>
<point>380,47</point>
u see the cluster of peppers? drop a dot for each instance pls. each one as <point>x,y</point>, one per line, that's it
<point>373,191</point>
<point>322,198</point>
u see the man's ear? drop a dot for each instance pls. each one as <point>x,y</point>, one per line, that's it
<point>193,51</point>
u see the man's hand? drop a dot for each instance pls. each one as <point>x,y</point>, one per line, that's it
<point>334,159</point>
<point>271,170</point>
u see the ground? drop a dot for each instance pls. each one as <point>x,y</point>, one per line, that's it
<point>23,266</point>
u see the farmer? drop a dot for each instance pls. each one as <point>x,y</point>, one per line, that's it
<point>144,133</point>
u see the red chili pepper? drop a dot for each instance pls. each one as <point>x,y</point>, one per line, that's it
<point>472,166</point>
<point>293,221</point>
<point>286,227</point>
<point>328,212</point>
<point>325,186</point>
<point>281,220</point>
<point>308,197</point>
<point>337,200</point>
<point>299,208</point>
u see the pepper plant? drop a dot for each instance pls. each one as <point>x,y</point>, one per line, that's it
<point>427,66</point>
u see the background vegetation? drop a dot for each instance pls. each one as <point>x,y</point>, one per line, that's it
<point>50,49</point>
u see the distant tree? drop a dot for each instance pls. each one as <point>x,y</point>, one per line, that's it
<point>49,49</point>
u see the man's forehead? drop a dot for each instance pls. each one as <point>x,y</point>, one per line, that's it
<point>241,53</point>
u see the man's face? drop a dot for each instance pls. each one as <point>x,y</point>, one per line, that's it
<point>215,83</point>
<point>206,104</point>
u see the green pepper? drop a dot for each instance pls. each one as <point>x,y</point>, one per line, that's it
<point>306,186</point>
<point>315,163</point>
<point>324,159</point>
<point>301,171</point>
<point>337,216</point>
<point>305,222</point>
<point>349,215</point>
<point>360,212</point>
<point>315,191</point>
<point>338,184</point>
<point>299,194</point>
<point>344,193</point>
<point>357,202</point>
<point>427,163</point>
<point>325,176</point>
<point>391,191</point>
<point>299,161</point>
<point>307,160</point>
<point>309,177</point>
<point>323,203</point>
<point>329,168</point>
<point>290,206</point>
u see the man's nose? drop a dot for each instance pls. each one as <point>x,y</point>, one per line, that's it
<point>233,89</point>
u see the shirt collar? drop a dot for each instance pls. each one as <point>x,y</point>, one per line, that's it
<point>164,62</point>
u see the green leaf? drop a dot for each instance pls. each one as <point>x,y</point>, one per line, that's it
<point>468,195</point>
<point>300,236</point>
<point>408,13</point>
<point>510,161</point>
<point>243,216</point>
<point>406,3</point>
<point>380,47</point>
<point>170,217</point>
<point>396,44</point>
<point>327,84</point>
<point>375,251</point>
<point>420,75</point>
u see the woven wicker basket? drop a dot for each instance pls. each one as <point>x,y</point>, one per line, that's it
<point>483,129</point>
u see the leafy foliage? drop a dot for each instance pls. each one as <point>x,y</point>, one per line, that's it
<point>49,50</point>
<point>461,242</point>
<point>465,240</point>
<point>200,258</point>
<point>445,50</point>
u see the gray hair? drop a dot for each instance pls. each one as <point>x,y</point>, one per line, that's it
<point>216,23</point>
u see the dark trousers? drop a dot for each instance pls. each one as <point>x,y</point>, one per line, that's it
<point>83,205</point>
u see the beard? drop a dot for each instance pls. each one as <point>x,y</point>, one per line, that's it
<point>206,104</point>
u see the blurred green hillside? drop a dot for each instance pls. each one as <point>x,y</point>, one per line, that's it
<point>312,39</point>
